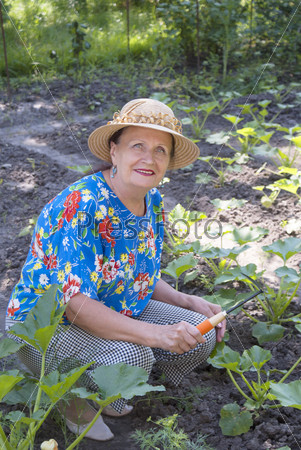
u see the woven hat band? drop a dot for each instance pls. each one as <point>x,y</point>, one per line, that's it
<point>164,120</point>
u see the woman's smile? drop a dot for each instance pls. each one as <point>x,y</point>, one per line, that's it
<point>145,172</point>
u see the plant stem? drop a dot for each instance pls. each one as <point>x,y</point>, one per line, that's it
<point>290,299</point>
<point>5,445</point>
<point>212,265</point>
<point>249,315</point>
<point>31,433</point>
<point>290,370</point>
<point>237,386</point>
<point>82,435</point>
<point>249,386</point>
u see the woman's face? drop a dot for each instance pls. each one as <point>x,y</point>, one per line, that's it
<point>142,156</point>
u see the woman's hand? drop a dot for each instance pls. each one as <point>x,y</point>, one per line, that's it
<point>166,293</point>
<point>208,309</point>
<point>178,338</point>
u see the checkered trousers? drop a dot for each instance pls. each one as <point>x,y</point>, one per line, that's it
<point>72,346</point>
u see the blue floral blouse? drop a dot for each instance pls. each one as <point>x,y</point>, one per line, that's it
<point>87,241</point>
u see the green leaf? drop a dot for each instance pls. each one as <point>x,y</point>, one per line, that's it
<point>247,108</point>
<point>227,359</point>
<point>233,119</point>
<point>80,168</point>
<point>191,276</point>
<point>290,185</point>
<point>208,107</point>
<point>257,355</point>
<point>8,347</point>
<point>233,422</point>
<point>288,394</point>
<point>297,141</point>
<point>249,234</point>
<point>178,266</point>
<point>285,249</point>
<point>223,205</point>
<point>123,379</point>
<point>247,131</point>
<point>25,394</point>
<point>290,275</point>
<point>41,322</point>
<point>226,298</point>
<point>238,273</point>
<point>298,328</point>
<point>217,252</point>
<point>55,384</point>
<point>218,138</point>
<point>265,332</point>
<point>203,178</point>
<point>7,381</point>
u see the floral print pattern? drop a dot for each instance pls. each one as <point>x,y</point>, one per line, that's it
<point>87,241</point>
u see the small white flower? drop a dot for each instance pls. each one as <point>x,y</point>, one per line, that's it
<point>66,243</point>
<point>104,192</point>
<point>86,197</point>
<point>27,290</point>
<point>45,213</point>
<point>43,279</point>
<point>87,292</point>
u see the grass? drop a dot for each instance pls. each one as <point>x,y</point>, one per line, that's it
<point>37,28</point>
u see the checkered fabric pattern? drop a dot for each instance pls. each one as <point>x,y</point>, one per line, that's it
<point>72,346</point>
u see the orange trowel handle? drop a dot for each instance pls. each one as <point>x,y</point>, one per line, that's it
<point>210,323</point>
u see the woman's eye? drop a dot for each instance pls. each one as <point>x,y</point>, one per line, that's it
<point>161,150</point>
<point>138,145</point>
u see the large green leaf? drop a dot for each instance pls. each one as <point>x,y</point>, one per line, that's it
<point>238,273</point>
<point>123,379</point>
<point>285,249</point>
<point>249,234</point>
<point>223,205</point>
<point>8,347</point>
<point>55,384</point>
<point>265,332</point>
<point>233,422</point>
<point>226,298</point>
<point>41,322</point>
<point>257,356</point>
<point>292,185</point>
<point>217,252</point>
<point>24,394</point>
<point>7,381</point>
<point>288,394</point>
<point>178,266</point>
<point>226,358</point>
<point>290,274</point>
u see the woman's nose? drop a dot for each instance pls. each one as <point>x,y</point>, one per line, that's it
<point>148,156</point>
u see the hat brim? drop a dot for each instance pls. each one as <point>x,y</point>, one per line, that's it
<point>186,152</point>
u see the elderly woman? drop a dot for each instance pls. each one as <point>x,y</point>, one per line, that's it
<point>101,241</point>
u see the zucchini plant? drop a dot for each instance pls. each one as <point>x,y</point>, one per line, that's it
<point>275,302</point>
<point>40,395</point>
<point>259,393</point>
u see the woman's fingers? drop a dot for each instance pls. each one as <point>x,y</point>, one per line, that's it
<point>181,337</point>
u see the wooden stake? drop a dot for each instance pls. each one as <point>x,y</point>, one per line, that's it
<point>5,54</point>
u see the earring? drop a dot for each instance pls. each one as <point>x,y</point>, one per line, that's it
<point>114,171</point>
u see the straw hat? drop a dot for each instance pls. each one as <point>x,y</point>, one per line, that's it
<point>148,113</point>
